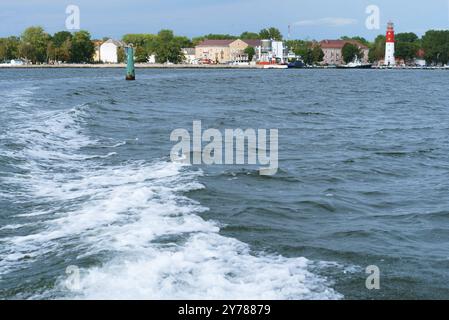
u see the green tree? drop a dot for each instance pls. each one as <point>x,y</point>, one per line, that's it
<point>27,51</point>
<point>271,33</point>
<point>3,46</point>
<point>64,52</point>
<point>350,52</point>
<point>362,40</point>
<point>294,45</point>
<point>212,36</point>
<point>377,49</point>
<point>121,55</point>
<point>407,37</point>
<point>83,48</point>
<point>168,48</point>
<point>307,56</point>
<point>310,52</point>
<point>136,39</point>
<point>197,40</point>
<point>249,36</point>
<point>34,44</point>
<point>317,54</point>
<point>9,48</point>
<point>141,42</point>
<point>406,50</point>
<point>51,52</point>
<point>407,46</point>
<point>219,36</point>
<point>251,52</point>
<point>299,47</point>
<point>59,48</point>
<point>140,54</point>
<point>436,46</point>
<point>60,37</point>
<point>183,42</point>
<point>145,45</point>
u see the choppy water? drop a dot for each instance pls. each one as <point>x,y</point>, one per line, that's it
<point>85,180</point>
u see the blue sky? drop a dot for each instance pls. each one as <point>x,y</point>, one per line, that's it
<point>317,19</point>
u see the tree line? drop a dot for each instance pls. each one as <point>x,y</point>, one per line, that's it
<point>433,47</point>
<point>166,46</point>
<point>37,46</point>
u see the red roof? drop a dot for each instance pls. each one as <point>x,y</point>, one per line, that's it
<point>253,43</point>
<point>339,44</point>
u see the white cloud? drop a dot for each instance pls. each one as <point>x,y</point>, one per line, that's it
<point>327,22</point>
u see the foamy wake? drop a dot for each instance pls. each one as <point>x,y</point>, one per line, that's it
<point>153,242</point>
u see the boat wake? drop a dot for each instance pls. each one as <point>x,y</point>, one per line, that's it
<point>128,227</point>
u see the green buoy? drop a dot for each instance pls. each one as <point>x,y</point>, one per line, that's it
<point>130,70</point>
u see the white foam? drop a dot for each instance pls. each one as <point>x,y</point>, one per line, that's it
<point>208,266</point>
<point>12,227</point>
<point>119,144</point>
<point>124,212</point>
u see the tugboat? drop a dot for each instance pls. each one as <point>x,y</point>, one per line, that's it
<point>356,64</point>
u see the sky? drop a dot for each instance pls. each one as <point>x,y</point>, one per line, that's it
<point>317,19</point>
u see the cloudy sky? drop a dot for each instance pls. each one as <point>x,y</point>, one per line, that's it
<point>317,19</point>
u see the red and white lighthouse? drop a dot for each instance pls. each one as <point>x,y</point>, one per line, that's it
<point>389,46</point>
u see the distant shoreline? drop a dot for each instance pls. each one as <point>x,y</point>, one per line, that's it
<point>188,66</point>
<point>138,66</point>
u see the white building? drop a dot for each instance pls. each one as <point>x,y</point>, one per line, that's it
<point>189,55</point>
<point>109,51</point>
<point>271,51</point>
<point>152,59</point>
<point>278,50</point>
<point>420,62</point>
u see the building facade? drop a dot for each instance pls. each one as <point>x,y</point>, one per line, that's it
<point>332,50</point>
<point>224,51</point>
<point>189,55</point>
<point>109,51</point>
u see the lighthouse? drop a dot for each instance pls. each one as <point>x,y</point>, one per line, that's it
<point>389,46</point>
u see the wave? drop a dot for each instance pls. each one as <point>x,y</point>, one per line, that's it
<point>146,238</point>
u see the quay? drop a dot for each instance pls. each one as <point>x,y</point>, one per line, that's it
<point>137,66</point>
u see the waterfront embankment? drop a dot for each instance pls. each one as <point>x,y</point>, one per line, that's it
<point>141,66</point>
<point>191,66</point>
